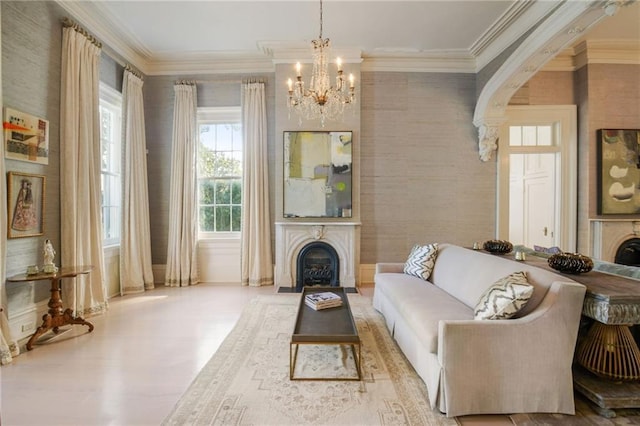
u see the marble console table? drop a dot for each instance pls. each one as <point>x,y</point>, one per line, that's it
<point>612,301</point>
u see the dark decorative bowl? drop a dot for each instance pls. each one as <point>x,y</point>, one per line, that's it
<point>570,263</point>
<point>498,246</point>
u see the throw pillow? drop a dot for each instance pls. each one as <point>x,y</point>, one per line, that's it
<point>421,261</point>
<point>504,298</point>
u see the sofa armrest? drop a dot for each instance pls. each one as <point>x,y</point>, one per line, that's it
<point>389,268</point>
<point>489,364</point>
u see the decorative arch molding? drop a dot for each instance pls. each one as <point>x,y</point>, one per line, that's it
<point>560,29</point>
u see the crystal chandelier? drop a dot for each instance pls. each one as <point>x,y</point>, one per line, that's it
<point>320,100</point>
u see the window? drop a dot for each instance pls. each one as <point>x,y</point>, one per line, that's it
<point>110,163</point>
<point>219,171</point>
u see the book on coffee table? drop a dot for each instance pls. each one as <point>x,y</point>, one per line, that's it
<point>323,300</point>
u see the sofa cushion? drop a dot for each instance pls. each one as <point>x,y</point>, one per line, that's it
<point>421,261</point>
<point>420,306</point>
<point>504,298</point>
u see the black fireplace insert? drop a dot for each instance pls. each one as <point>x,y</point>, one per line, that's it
<point>317,265</point>
<point>629,253</point>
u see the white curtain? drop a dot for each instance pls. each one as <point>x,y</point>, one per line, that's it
<point>182,268</point>
<point>81,227</point>
<point>136,274</point>
<point>257,265</point>
<point>8,347</point>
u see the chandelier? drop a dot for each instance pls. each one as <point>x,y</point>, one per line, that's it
<point>321,100</point>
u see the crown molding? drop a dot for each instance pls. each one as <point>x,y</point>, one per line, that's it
<point>621,52</point>
<point>566,25</point>
<point>452,61</point>
<point>516,21</point>
<point>210,63</point>
<point>99,21</point>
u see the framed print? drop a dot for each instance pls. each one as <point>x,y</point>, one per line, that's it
<point>317,174</point>
<point>26,137</point>
<point>618,171</point>
<point>25,205</point>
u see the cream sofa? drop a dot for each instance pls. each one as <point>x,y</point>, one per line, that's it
<point>519,365</point>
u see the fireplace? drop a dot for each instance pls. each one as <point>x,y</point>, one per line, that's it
<point>317,264</point>
<point>629,252</point>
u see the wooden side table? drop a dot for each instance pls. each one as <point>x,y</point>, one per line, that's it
<point>56,317</point>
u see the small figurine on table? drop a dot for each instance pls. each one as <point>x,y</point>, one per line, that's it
<point>49,254</point>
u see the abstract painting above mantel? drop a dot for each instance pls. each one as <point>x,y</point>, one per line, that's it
<point>317,174</point>
<point>26,137</point>
<point>618,171</point>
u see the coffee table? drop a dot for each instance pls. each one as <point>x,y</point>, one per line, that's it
<point>332,326</point>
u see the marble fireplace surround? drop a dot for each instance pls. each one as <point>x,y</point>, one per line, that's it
<point>608,234</point>
<point>291,237</point>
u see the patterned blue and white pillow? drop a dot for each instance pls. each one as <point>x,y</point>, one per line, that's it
<point>504,298</point>
<point>421,261</point>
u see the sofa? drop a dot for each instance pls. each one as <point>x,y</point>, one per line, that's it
<point>488,366</point>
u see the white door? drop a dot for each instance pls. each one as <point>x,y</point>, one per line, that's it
<point>537,177</point>
<point>539,181</point>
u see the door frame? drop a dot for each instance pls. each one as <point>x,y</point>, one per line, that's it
<point>565,116</point>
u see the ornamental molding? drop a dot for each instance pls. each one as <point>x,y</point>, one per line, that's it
<point>562,28</point>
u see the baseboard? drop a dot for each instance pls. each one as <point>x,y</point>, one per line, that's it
<point>24,322</point>
<point>367,271</point>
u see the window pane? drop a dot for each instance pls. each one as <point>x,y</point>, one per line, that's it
<point>544,136</point>
<point>207,222</point>
<point>236,192</point>
<point>208,136</point>
<point>223,219</point>
<point>206,191</point>
<point>236,219</point>
<point>223,192</point>
<point>225,137</point>
<point>529,135</point>
<point>515,136</point>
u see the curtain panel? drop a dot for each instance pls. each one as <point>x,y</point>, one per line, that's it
<point>80,204</point>
<point>182,268</point>
<point>256,263</point>
<point>136,274</point>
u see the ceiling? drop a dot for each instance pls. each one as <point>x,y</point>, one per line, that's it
<point>148,33</point>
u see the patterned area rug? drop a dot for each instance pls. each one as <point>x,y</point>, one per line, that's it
<point>246,382</point>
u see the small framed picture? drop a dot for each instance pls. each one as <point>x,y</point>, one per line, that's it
<point>25,205</point>
<point>618,171</point>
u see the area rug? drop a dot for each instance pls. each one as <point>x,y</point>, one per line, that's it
<point>246,382</point>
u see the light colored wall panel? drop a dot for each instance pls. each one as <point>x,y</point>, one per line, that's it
<point>219,261</point>
<point>421,177</point>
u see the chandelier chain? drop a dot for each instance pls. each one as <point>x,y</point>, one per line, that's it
<point>320,99</point>
<point>320,20</point>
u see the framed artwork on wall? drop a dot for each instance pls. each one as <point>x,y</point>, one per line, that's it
<point>26,137</point>
<point>25,205</point>
<point>317,174</point>
<point>618,171</point>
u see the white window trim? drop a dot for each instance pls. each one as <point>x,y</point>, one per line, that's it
<point>113,98</point>
<point>216,115</point>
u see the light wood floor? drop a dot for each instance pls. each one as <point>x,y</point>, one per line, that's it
<point>132,369</point>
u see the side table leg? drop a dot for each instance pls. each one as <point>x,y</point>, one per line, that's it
<point>70,319</point>
<point>47,324</point>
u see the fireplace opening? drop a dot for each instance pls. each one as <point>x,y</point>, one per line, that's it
<point>629,253</point>
<point>317,265</point>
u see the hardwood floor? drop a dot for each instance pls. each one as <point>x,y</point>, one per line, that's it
<point>135,365</point>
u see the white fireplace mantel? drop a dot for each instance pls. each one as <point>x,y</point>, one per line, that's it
<point>608,234</point>
<point>291,237</point>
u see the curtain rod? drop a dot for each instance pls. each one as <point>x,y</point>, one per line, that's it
<point>133,71</point>
<point>230,81</point>
<point>69,23</point>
